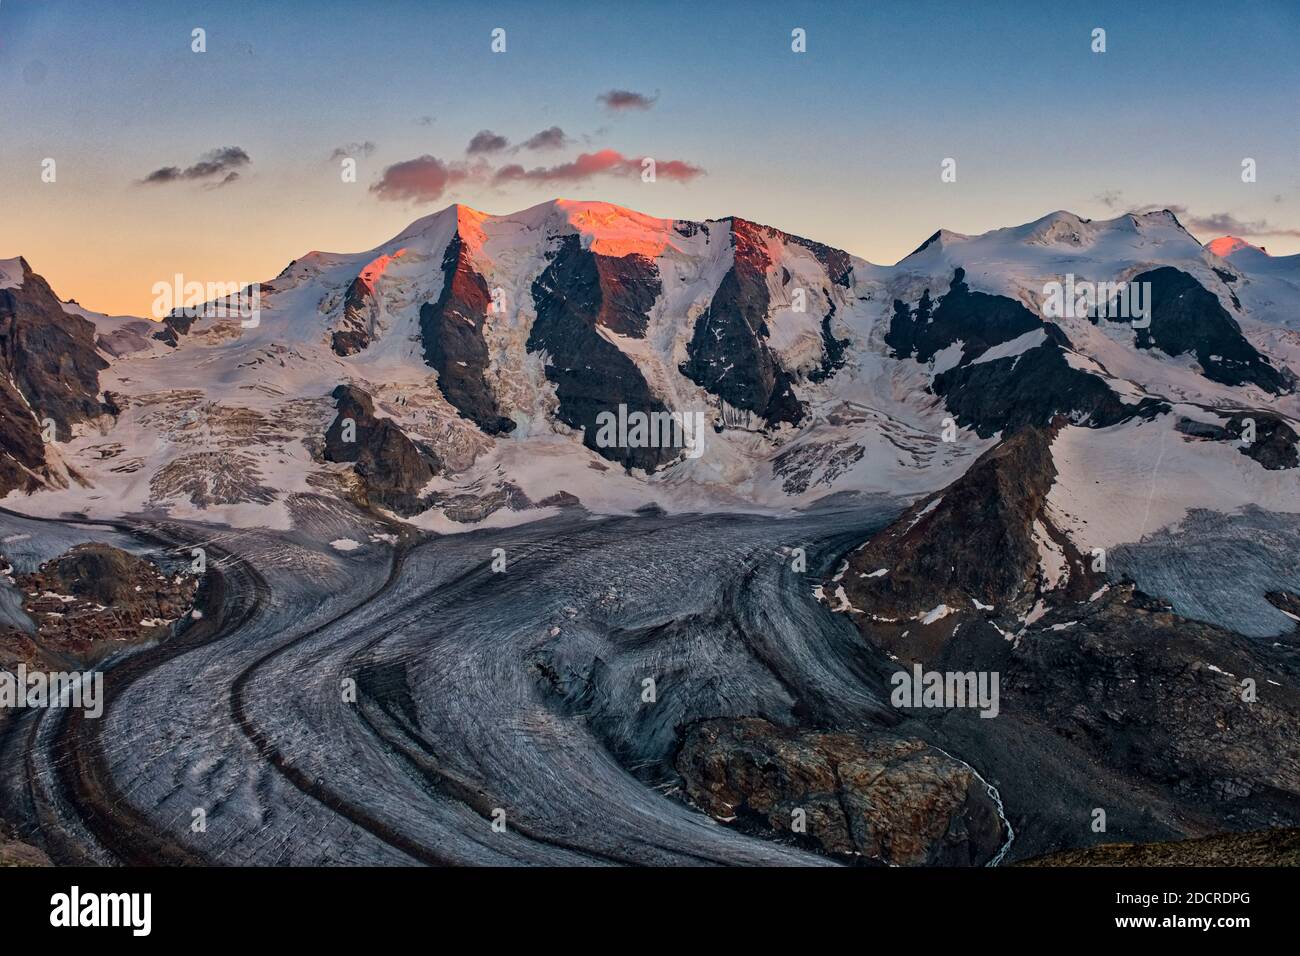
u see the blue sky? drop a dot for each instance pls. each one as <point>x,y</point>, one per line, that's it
<point>841,143</point>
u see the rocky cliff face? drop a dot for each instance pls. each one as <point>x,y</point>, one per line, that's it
<point>1187,319</point>
<point>998,366</point>
<point>49,368</point>
<point>451,330</point>
<point>391,468</point>
<point>578,291</point>
<point>728,354</point>
<point>978,578</point>
<point>977,544</point>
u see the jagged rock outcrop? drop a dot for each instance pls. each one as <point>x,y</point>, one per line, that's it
<point>577,291</point>
<point>1208,715</point>
<point>93,600</point>
<point>451,330</point>
<point>992,392</point>
<point>353,333</point>
<point>728,354</point>
<point>976,319</point>
<point>982,539</point>
<point>1276,445</point>
<point>865,797</point>
<point>391,468</point>
<point>49,368</point>
<point>1186,318</point>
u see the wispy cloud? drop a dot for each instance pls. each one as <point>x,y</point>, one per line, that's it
<point>1110,198</point>
<point>217,167</point>
<point>353,150</point>
<point>1212,224</point>
<point>627,100</point>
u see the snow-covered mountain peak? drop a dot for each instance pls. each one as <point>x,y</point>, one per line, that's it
<point>11,272</point>
<point>1225,246</point>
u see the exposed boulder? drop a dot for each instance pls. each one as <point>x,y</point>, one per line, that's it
<point>865,797</point>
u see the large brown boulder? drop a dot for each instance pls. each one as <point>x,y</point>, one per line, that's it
<point>874,797</point>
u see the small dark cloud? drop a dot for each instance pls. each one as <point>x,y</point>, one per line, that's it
<point>627,100</point>
<point>486,141</point>
<point>423,179</point>
<point>215,166</point>
<point>352,150</point>
<point>1110,198</point>
<point>165,175</point>
<point>229,178</point>
<point>552,138</point>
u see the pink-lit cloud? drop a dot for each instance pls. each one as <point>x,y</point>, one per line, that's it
<point>423,179</point>
<point>605,162</point>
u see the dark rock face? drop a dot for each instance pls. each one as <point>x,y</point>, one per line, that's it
<point>49,368</point>
<point>1285,601</point>
<point>1188,318</point>
<point>1163,698</point>
<point>392,469</point>
<point>1031,389</point>
<point>1275,445</point>
<point>833,350</point>
<point>1106,693</point>
<point>452,333</point>
<point>578,290</point>
<point>353,333</point>
<point>174,326</point>
<point>973,540</point>
<point>629,286</point>
<point>728,354</point>
<point>22,453</point>
<point>976,318</point>
<point>874,798</point>
<point>1003,394</point>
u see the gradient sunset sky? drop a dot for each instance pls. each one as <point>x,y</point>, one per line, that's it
<point>842,144</point>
